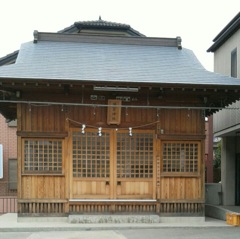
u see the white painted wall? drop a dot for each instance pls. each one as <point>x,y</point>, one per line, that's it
<point>222,56</point>
<point>227,122</point>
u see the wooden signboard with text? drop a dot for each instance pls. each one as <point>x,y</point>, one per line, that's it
<point>114,112</point>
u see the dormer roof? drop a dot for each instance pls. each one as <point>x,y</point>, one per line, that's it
<point>99,26</point>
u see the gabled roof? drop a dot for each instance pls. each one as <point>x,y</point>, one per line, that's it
<point>226,33</point>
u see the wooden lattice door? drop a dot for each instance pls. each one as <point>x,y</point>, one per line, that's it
<point>91,174</point>
<point>113,165</point>
<point>135,165</point>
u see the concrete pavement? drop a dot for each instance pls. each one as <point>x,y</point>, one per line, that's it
<point>63,235</point>
<point>9,223</point>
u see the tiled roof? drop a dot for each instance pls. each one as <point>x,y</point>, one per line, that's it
<point>106,62</point>
<point>100,24</point>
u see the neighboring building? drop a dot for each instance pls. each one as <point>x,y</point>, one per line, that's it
<point>110,121</point>
<point>226,49</point>
<point>8,142</point>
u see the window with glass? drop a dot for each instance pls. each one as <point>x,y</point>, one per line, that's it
<point>43,156</point>
<point>180,157</point>
<point>234,63</point>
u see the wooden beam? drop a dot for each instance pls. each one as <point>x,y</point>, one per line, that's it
<point>42,134</point>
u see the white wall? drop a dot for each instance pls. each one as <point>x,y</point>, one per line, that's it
<point>222,56</point>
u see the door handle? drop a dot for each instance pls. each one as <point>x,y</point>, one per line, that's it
<point>107,183</point>
<point>119,183</point>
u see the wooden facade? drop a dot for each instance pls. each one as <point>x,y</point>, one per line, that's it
<point>151,161</point>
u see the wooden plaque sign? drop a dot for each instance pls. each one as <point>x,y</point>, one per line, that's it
<point>114,112</point>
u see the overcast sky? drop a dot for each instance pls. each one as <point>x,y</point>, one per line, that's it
<point>197,22</point>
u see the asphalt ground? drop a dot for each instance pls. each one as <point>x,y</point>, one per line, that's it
<point>10,223</point>
<point>144,233</point>
<point>210,228</point>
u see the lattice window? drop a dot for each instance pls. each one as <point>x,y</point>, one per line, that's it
<point>91,155</point>
<point>180,157</point>
<point>42,156</point>
<point>135,155</point>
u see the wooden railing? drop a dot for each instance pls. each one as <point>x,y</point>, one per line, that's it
<point>112,207</point>
<point>161,208</point>
<point>60,207</point>
<point>41,207</point>
<point>182,208</point>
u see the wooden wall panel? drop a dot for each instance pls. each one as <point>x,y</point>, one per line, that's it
<point>177,188</point>
<point>180,121</point>
<point>90,189</point>
<point>52,118</point>
<point>141,189</point>
<point>97,116</point>
<point>42,118</point>
<point>37,187</point>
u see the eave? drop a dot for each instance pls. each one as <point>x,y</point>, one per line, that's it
<point>209,98</point>
<point>9,59</point>
<point>226,33</point>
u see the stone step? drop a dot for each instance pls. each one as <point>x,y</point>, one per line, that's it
<point>85,218</point>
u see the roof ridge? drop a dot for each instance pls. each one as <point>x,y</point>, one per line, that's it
<point>122,40</point>
<point>101,22</point>
<point>106,24</point>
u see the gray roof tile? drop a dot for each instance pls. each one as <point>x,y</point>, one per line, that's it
<point>111,63</point>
